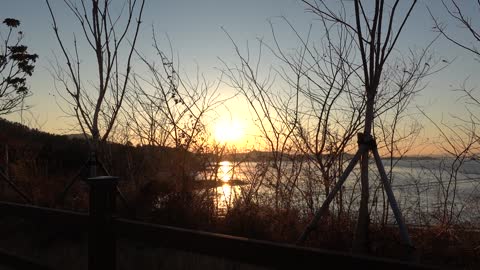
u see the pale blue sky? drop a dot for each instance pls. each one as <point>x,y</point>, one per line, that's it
<point>194,27</point>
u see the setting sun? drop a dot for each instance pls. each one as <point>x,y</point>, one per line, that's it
<point>228,131</point>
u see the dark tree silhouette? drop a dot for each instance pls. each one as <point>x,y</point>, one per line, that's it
<point>376,27</point>
<point>16,64</point>
<point>110,35</point>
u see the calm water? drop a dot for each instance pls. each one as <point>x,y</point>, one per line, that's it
<point>421,186</point>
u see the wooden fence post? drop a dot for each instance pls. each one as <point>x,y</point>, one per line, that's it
<point>101,236</point>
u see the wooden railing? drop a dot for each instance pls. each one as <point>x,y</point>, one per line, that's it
<point>101,221</point>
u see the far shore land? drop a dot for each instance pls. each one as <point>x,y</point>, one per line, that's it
<point>204,184</point>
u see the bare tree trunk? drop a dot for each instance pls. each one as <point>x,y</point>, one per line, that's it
<point>92,160</point>
<point>6,161</point>
<point>361,236</point>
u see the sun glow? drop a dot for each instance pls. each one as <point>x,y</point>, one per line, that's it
<point>228,131</point>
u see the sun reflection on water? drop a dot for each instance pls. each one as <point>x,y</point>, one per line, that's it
<point>227,192</point>
<point>225,171</point>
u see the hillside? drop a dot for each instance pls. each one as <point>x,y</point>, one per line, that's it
<point>43,164</point>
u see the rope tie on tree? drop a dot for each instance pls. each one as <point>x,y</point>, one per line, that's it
<point>366,140</point>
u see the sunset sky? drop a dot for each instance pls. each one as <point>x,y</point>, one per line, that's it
<point>195,30</point>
